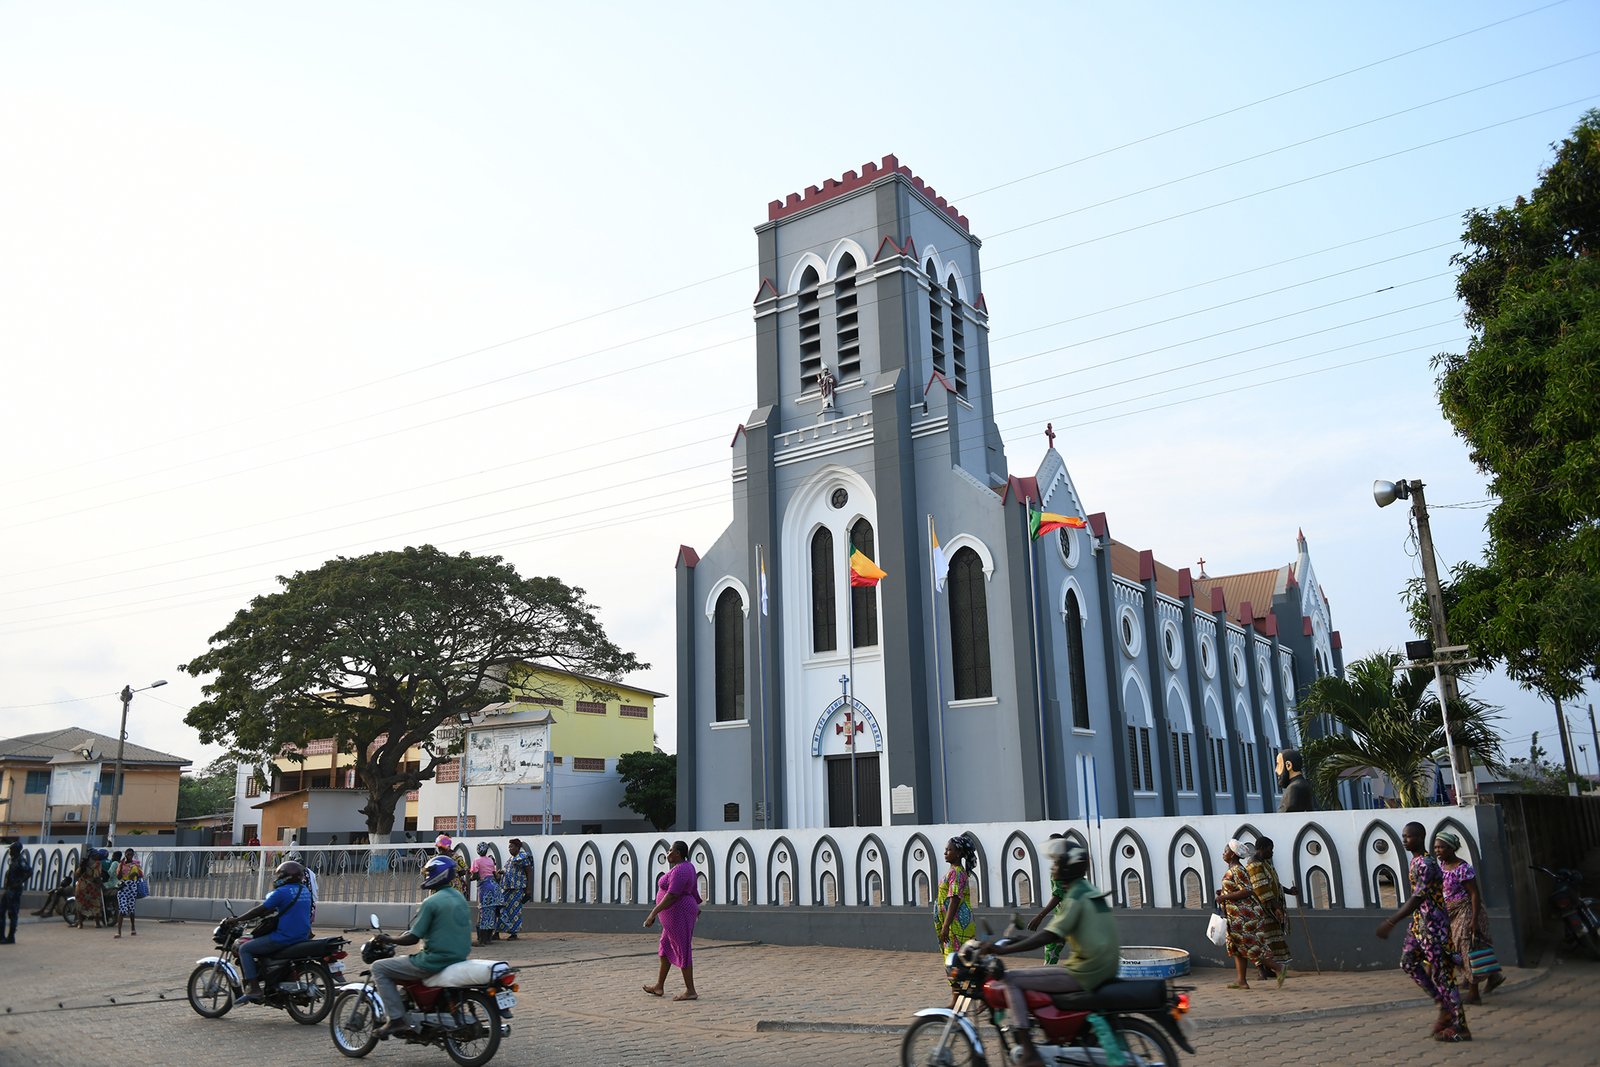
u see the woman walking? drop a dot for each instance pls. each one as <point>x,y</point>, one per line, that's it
<point>128,874</point>
<point>489,895</point>
<point>91,877</point>
<point>1246,941</point>
<point>952,916</point>
<point>1469,922</point>
<point>514,889</point>
<point>678,906</point>
<point>1427,955</point>
<point>1269,894</point>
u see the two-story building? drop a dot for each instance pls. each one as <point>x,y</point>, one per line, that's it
<point>149,800</point>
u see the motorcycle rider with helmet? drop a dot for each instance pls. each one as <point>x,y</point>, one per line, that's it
<point>443,924</point>
<point>290,900</point>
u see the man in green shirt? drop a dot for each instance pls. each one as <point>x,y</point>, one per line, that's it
<point>443,924</point>
<point>1085,922</point>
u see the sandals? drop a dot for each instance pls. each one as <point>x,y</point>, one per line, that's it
<point>1238,985</point>
<point>1496,980</point>
<point>1453,1033</point>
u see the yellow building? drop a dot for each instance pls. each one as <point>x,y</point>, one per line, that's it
<point>149,802</point>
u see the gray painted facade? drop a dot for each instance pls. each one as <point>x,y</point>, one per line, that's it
<point>1185,697</point>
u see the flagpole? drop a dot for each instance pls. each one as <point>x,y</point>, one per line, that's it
<point>761,687</point>
<point>938,676</point>
<point>1038,674</point>
<point>850,692</point>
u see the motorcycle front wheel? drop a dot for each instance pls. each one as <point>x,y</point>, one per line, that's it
<point>69,911</point>
<point>353,1024</point>
<point>927,1045</point>
<point>210,992</point>
<point>1144,1041</point>
<point>477,1039</point>
<point>310,1007</point>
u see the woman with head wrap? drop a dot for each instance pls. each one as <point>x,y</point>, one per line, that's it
<point>490,897</point>
<point>517,876</point>
<point>1427,955</point>
<point>952,915</point>
<point>1269,894</point>
<point>1469,922</point>
<point>1246,942</point>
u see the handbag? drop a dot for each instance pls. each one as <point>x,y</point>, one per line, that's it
<point>141,888</point>
<point>1482,961</point>
<point>1217,929</point>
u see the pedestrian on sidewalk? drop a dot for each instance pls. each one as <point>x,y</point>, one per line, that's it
<point>1428,955</point>
<point>1269,893</point>
<point>1246,943</point>
<point>489,895</point>
<point>678,905</point>
<point>516,878</point>
<point>128,874</point>
<point>91,897</point>
<point>18,871</point>
<point>1469,921</point>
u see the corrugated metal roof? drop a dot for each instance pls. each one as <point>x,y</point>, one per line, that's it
<point>1255,588</point>
<point>46,746</point>
<point>1125,564</point>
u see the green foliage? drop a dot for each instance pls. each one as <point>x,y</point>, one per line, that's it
<point>1526,398</point>
<point>1392,724</point>
<point>650,786</point>
<point>205,794</point>
<point>381,650</point>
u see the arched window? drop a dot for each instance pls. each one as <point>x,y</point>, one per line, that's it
<point>1022,888</point>
<point>824,621</point>
<point>936,320</point>
<point>1193,895</point>
<point>969,627</point>
<point>863,598</point>
<point>810,330</point>
<point>785,888</point>
<point>919,889</point>
<point>874,889</point>
<point>1132,889</point>
<point>847,325</point>
<point>1075,659</point>
<point>730,656</point>
<point>958,342</point>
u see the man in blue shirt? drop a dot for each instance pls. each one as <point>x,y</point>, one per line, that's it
<point>18,871</point>
<point>290,900</point>
<point>443,923</point>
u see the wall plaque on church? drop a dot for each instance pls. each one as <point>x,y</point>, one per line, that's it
<point>902,800</point>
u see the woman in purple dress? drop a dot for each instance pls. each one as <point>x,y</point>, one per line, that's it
<point>678,905</point>
<point>1469,923</point>
<point>1428,955</point>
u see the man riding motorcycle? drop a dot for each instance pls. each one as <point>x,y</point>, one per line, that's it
<point>1085,922</point>
<point>290,900</point>
<point>443,924</point>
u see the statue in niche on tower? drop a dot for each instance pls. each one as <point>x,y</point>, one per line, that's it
<point>826,385</point>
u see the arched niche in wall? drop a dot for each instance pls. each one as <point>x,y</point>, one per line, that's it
<point>705,864</point>
<point>658,865</point>
<point>1188,853</point>
<point>1020,857</point>
<point>826,859</point>
<point>1469,847</point>
<point>871,858</point>
<point>553,874</point>
<point>1130,855</point>
<point>590,873</point>
<point>1314,851</point>
<point>918,858</point>
<point>781,861</point>
<point>625,874</point>
<point>741,859</point>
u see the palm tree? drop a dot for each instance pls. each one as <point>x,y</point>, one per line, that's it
<point>1389,721</point>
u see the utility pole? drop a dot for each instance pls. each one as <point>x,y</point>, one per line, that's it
<point>122,737</point>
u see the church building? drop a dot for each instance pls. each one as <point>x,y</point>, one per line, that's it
<point>993,675</point>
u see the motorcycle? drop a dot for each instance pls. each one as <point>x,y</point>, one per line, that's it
<point>1110,1025</point>
<point>464,1008</point>
<point>1577,912</point>
<point>298,978</point>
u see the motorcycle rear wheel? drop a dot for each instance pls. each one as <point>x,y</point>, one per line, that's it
<point>476,1042</point>
<point>309,1013</point>
<point>210,992</point>
<point>353,1024</point>
<point>1145,1041</point>
<point>69,912</point>
<point>922,1046</point>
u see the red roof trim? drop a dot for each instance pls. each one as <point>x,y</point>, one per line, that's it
<point>1147,566</point>
<point>688,557</point>
<point>1219,601</point>
<point>1269,625</point>
<point>736,433</point>
<point>1336,640</point>
<point>765,287</point>
<point>1247,613</point>
<point>1185,583</point>
<point>1098,524</point>
<point>981,304</point>
<point>1293,582</point>
<point>851,181</point>
<point>1305,625</point>
<point>942,380</point>
<point>907,249</point>
<point>1026,489</point>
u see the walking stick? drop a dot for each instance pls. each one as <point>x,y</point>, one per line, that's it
<point>1300,910</point>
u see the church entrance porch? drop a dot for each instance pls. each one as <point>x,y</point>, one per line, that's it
<point>861,771</point>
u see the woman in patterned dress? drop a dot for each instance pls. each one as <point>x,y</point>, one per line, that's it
<point>1269,894</point>
<point>952,916</point>
<point>128,874</point>
<point>514,881</point>
<point>1247,942</point>
<point>1428,955</point>
<point>91,878</point>
<point>1469,922</point>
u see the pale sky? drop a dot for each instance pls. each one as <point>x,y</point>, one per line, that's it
<point>283,283</point>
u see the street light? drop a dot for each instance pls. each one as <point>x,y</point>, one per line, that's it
<point>122,737</point>
<point>1386,493</point>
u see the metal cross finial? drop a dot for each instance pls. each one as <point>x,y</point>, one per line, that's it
<point>1050,433</point>
<point>1202,563</point>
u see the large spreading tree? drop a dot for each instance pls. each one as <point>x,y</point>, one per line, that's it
<point>379,651</point>
<point>1391,724</point>
<point>1525,396</point>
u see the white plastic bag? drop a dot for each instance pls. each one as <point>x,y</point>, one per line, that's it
<point>1217,929</point>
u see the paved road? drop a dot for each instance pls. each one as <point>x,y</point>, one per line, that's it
<point>79,999</point>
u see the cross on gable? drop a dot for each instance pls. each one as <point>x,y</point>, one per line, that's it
<point>1050,433</point>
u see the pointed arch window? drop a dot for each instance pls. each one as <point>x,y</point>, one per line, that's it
<point>824,619</point>
<point>730,656</point>
<point>847,323</point>
<point>936,321</point>
<point>958,341</point>
<point>1077,665</point>
<point>969,627</point>
<point>864,599</point>
<point>810,330</point>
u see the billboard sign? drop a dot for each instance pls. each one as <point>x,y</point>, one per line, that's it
<point>73,784</point>
<point>507,755</point>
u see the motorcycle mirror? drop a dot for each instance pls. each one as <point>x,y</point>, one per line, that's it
<point>372,918</point>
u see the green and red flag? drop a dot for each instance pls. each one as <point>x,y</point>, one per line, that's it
<point>1042,522</point>
<point>862,570</point>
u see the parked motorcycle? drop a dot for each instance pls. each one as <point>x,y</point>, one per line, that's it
<point>1068,1028</point>
<point>464,1007</point>
<point>298,979</point>
<point>1577,912</point>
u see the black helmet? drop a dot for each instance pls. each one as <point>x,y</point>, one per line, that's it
<point>289,873</point>
<point>373,951</point>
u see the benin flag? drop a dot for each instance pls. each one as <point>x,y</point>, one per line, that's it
<point>862,570</point>
<point>1042,522</point>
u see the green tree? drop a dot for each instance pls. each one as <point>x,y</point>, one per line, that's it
<point>650,786</point>
<point>1525,397</point>
<point>208,793</point>
<point>1391,723</point>
<point>380,651</point>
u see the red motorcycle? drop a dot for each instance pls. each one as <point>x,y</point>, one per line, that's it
<point>1068,1028</point>
<point>465,1008</point>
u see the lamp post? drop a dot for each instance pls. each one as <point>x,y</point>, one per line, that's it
<point>1386,493</point>
<point>122,737</point>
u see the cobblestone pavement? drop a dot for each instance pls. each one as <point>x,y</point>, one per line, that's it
<point>81,998</point>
